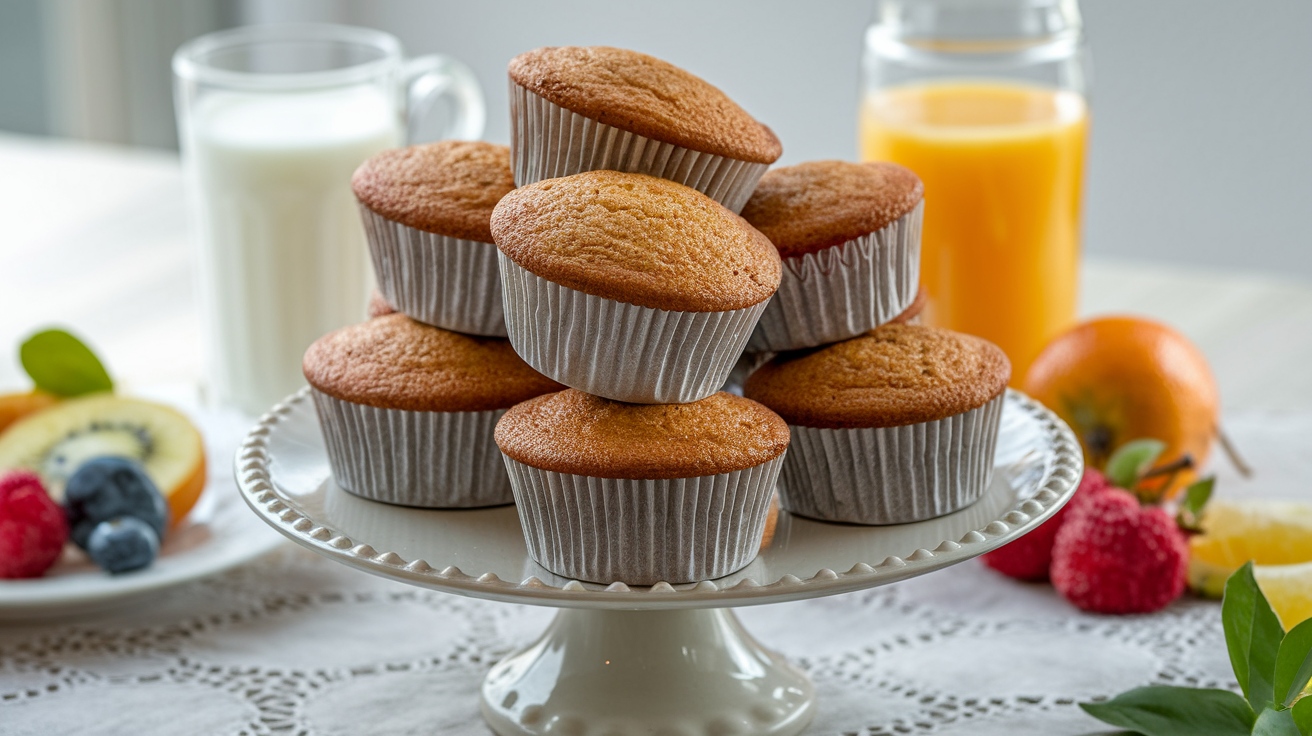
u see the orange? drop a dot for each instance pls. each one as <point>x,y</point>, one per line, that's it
<point>15,406</point>
<point>1116,379</point>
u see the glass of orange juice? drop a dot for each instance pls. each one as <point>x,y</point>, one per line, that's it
<point>986,101</point>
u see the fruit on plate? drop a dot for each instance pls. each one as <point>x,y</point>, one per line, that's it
<point>15,406</point>
<point>55,442</point>
<point>1114,555</point>
<point>1289,590</point>
<point>1029,557</point>
<point>108,488</point>
<point>1115,379</point>
<point>1266,532</point>
<point>32,527</point>
<point>123,544</point>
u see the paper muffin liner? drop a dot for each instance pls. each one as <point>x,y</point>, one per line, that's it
<point>843,291</point>
<point>446,282</point>
<point>548,141</point>
<point>617,350</point>
<point>891,475</point>
<point>746,365</point>
<point>429,459</point>
<point>642,532</point>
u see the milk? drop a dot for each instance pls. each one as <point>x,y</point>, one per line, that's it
<point>283,255</point>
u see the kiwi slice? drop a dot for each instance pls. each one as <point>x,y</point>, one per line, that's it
<point>54,442</point>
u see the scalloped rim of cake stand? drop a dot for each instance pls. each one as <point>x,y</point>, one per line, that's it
<point>258,488</point>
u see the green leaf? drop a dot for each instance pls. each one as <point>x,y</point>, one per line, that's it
<point>60,364</point>
<point>1162,710</point>
<point>1196,497</point>
<point>1302,711</point>
<point>1253,635</point>
<point>1294,663</point>
<point>1132,460</point>
<point>1274,722</point>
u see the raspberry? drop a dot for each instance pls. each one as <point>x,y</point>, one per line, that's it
<point>1029,557</point>
<point>32,527</point>
<point>1114,556</point>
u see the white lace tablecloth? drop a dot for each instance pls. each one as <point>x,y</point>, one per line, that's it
<point>294,644</point>
<point>298,645</point>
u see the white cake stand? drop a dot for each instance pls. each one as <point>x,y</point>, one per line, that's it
<point>667,659</point>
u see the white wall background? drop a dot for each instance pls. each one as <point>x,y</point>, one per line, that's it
<point>1201,150</point>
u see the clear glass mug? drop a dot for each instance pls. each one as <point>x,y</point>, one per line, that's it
<point>986,101</point>
<point>272,122</point>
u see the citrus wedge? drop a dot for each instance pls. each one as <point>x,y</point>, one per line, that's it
<point>16,406</point>
<point>1275,535</point>
<point>1288,588</point>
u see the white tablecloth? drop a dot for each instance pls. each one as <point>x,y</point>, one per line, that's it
<point>294,644</point>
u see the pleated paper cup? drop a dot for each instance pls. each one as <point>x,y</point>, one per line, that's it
<point>745,366</point>
<point>441,281</point>
<point>840,292</point>
<point>548,141</point>
<point>642,532</point>
<point>428,459</point>
<point>621,351</point>
<point>891,475</point>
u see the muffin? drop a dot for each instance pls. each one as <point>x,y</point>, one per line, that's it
<point>378,306</point>
<point>575,109</point>
<point>628,286</point>
<point>894,426</point>
<point>914,314</point>
<point>426,212</point>
<point>407,411</point>
<point>849,237</point>
<point>742,368</point>
<point>609,491</point>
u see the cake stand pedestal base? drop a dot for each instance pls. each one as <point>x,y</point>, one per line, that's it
<point>643,672</point>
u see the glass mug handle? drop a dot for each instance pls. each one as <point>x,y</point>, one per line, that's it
<point>429,79</point>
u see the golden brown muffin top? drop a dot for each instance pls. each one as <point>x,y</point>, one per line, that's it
<point>642,94</point>
<point>913,309</point>
<point>581,434</point>
<point>892,376</point>
<point>393,362</point>
<point>637,239</point>
<point>448,188</point>
<point>820,204</point>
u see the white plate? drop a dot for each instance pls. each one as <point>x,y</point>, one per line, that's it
<point>218,534</point>
<point>283,474</point>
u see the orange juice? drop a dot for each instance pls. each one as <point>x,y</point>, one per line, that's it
<point>1003,166</point>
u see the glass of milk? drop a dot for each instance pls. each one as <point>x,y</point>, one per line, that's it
<point>272,121</point>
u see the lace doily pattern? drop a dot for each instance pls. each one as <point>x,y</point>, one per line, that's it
<point>297,645</point>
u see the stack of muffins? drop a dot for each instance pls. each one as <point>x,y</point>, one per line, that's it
<point>603,252</point>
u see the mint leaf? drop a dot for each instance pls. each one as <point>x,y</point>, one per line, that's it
<point>1253,635</point>
<point>1162,710</point>
<point>1274,722</point>
<point>60,364</point>
<point>1196,497</point>
<point>1294,663</point>
<point>1132,460</point>
<point>1302,711</point>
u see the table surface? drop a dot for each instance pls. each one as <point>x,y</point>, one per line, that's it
<point>294,644</point>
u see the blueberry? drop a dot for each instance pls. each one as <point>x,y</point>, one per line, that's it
<point>105,488</point>
<point>123,544</point>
